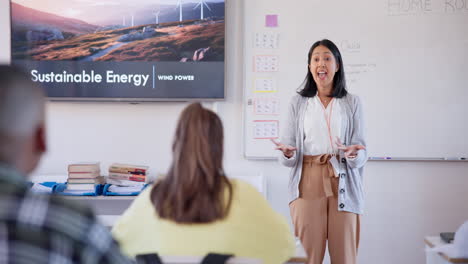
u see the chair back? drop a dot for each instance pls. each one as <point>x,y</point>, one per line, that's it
<point>208,259</point>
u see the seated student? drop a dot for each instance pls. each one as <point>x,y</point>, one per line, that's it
<point>39,228</point>
<point>196,209</point>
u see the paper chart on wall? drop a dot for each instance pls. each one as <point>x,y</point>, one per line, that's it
<point>266,129</point>
<point>266,63</point>
<point>266,106</point>
<point>265,85</point>
<point>266,40</point>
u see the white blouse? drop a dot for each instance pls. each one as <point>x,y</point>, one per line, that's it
<point>319,136</point>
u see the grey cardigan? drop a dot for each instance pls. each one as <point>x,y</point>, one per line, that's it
<point>350,194</point>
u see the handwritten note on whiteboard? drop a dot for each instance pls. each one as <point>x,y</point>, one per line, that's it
<point>266,129</point>
<point>266,63</point>
<point>266,106</point>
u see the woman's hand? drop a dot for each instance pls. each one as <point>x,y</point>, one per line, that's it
<point>349,151</point>
<point>288,151</point>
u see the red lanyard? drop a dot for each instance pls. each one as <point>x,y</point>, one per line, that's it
<point>328,119</point>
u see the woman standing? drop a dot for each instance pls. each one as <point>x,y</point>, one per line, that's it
<point>326,195</point>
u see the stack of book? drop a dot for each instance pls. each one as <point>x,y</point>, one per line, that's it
<point>82,177</point>
<point>126,175</point>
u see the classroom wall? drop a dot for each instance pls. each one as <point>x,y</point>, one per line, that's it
<point>405,200</point>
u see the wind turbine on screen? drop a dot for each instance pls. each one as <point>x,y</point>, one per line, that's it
<point>201,4</point>
<point>156,14</point>
<point>179,5</point>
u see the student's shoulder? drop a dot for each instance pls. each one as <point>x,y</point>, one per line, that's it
<point>62,203</point>
<point>143,201</point>
<point>244,189</point>
<point>145,195</point>
<point>241,184</point>
<point>69,218</point>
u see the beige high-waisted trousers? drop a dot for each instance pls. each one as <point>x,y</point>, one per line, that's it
<point>316,217</point>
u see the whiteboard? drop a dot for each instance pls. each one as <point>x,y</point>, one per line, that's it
<point>406,59</point>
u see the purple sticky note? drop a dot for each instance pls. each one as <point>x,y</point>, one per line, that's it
<point>271,20</point>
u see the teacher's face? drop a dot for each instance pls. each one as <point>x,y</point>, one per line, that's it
<point>323,67</point>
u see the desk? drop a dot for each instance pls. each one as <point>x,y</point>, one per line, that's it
<point>439,258</point>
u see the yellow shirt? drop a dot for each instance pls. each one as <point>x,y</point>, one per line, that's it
<point>251,229</point>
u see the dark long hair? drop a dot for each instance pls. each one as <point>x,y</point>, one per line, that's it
<point>194,189</point>
<point>309,87</point>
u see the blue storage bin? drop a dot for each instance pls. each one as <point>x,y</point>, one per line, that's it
<point>109,193</point>
<point>61,187</point>
<point>50,185</point>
